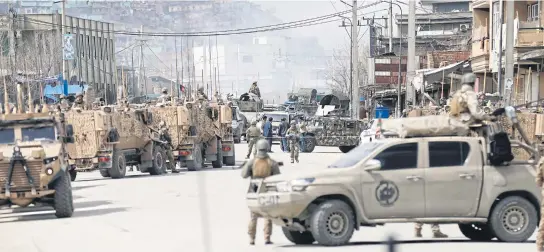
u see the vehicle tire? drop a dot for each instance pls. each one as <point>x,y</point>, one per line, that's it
<point>196,163</point>
<point>119,165</point>
<point>105,173</point>
<point>230,160</point>
<point>299,238</point>
<point>73,174</point>
<point>159,166</point>
<point>332,223</point>
<point>218,163</point>
<point>309,144</point>
<point>476,231</point>
<point>346,149</point>
<point>513,219</point>
<point>63,202</point>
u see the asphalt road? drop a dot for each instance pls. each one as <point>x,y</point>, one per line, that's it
<point>191,211</point>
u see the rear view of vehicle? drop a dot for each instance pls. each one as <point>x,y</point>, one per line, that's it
<point>33,163</point>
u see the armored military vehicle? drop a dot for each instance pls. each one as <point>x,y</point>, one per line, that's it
<point>33,161</point>
<point>249,106</point>
<point>209,138</point>
<point>331,127</point>
<point>304,100</point>
<point>113,137</point>
<point>444,177</point>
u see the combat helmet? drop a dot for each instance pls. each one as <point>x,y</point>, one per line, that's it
<point>164,90</point>
<point>262,148</point>
<point>79,95</point>
<point>253,123</point>
<point>468,78</point>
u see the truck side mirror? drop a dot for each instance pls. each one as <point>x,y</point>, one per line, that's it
<point>372,165</point>
<point>280,163</point>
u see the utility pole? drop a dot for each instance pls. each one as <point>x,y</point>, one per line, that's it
<point>204,65</point>
<point>509,67</point>
<point>499,71</point>
<point>177,72</point>
<point>355,62</point>
<point>411,60</point>
<point>391,26</point>
<point>64,60</point>
<point>141,81</point>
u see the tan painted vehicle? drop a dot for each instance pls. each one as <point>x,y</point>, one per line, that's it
<point>442,179</point>
<point>210,136</point>
<point>114,137</point>
<point>33,161</point>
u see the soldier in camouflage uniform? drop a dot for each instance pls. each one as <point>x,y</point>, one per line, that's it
<point>253,134</point>
<point>293,139</point>
<point>260,167</point>
<point>255,90</point>
<point>540,183</point>
<point>201,94</point>
<point>165,136</point>
<point>79,103</point>
<point>63,103</point>
<point>464,104</point>
<point>164,98</point>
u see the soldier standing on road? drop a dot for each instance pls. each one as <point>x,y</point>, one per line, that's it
<point>253,134</point>
<point>260,167</point>
<point>293,138</point>
<point>165,136</point>
<point>255,90</point>
<point>464,104</point>
<point>284,126</point>
<point>540,183</point>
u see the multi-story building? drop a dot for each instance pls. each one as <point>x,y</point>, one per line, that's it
<point>38,47</point>
<point>528,83</point>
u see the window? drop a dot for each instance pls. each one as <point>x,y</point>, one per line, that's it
<point>247,59</point>
<point>7,136</point>
<point>383,61</point>
<point>383,73</point>
<point>95,47</point>
<point>89,47</point>
<point>443,154</point>
<point>80,46</point>
<point>401,156</point>
<point>106,44</point>
<point>532,12</point>
<point>38,133</point>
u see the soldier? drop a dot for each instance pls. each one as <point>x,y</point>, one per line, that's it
<point>540,183</point>
<point>164,97</point>
<point>255,90</point>
<point>253,134</point>
<point>283,132</point>
<point>464,104</point>
<point>434,227</point>
<point>293,139</point>
<point>63,103</point>
<point>165,136</point>
<point>79,103</point>
<point>201,94</point>
<point>260,167</point>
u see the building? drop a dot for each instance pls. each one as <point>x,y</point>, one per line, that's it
<point>38,47</point>
<point>528,48</point>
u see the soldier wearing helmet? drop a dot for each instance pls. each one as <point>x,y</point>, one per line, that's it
<point>164,136</point>
<point>254,89</point>
<point>201,94</point>
<point>260,167</point>
<point>165,97</point>
<point>464,104</point>
<point>293,138</point>
<point>63,103</point>
<point>253,134</point>
<point>78,103</point>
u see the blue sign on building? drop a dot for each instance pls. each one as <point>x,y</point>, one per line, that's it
<point>382,112</point>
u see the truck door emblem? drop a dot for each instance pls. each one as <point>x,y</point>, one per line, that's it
<point>387,193</point>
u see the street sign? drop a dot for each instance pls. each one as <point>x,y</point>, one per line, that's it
<point>68,49</point>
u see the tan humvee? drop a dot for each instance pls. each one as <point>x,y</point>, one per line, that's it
<point>210,138</point>
<point>445,179</point>
<point>33,161</point>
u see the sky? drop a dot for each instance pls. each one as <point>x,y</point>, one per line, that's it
<point>330,35</point>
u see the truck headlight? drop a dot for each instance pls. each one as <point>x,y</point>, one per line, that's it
<point>296,185</point>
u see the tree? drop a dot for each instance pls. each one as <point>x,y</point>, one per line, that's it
<point>339,74</point>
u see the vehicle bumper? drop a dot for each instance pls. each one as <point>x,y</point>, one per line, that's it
<point>183,154</point>
<point>228,149</point>
<point>276,205</point>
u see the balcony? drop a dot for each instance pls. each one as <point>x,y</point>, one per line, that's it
<point>480,41</point>
<point>529,34</point>
<point>480,4</point>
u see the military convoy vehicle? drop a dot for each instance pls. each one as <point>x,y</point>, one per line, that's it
<point>33,161</point>
<point>396,180</point>
<point>209,138</point>
<point>114,137</point>
<point>249,106</point>
<point>331,127</point>
<point>304,100</point>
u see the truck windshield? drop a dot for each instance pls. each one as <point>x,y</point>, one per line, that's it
<point>38,133</point>
<point>7,136</point>
<point>359,153</point>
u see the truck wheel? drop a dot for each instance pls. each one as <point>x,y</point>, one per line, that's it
<point>73,174</point>
<point>119,165</point>
<point>63,202</point>
<point>218,163</point>
<point>196,163</point>
<point>230,160</point>
<point>346,149</point>
<point>476,231</point>
<point>332,223</point>
<point>159,161</point>
<point>513,219</point>
<point>309,144</point>
<point>105,173</point>
<point>299,238</point>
